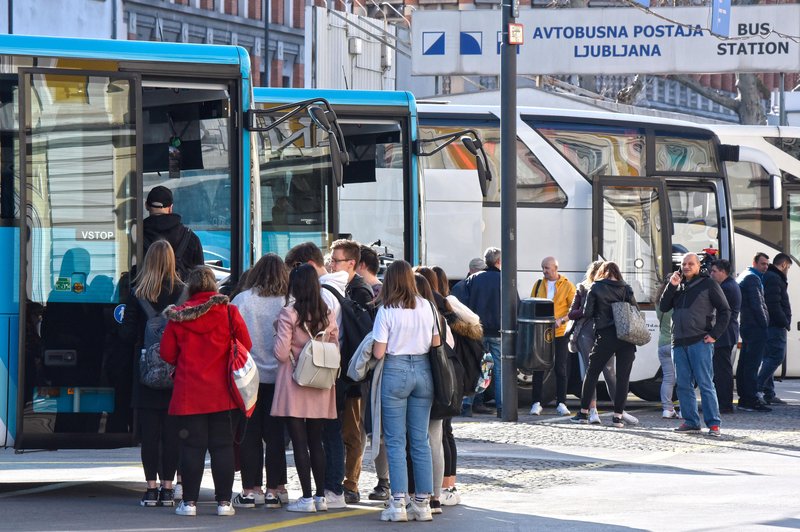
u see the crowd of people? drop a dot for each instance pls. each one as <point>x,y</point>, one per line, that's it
<point>282,303</point>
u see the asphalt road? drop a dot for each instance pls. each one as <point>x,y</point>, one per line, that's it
<point>541,473</point>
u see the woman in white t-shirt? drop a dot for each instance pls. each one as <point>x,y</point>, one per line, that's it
<point>404,332</point>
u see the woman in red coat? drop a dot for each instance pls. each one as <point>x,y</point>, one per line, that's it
<point>197,341</point>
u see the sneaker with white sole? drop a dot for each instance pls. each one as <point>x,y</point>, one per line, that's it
<point>302,505</point>
<point>335,501</point>
<point>449,497</point>
<point>283,496</point>
<point>562,410</point>
<point>536,409</point>
<point>670,414</point>
<point>225,508</point>
<point>271,501</point>
<point>177,491</point>
<point>419,510</point>
<point>186,508</point>
<point>395,511</point>
<point>629,419</point>
<point>320,504</point>
<point>436,506</point>
<point>617,421</point>
<point>244,501</point>
<point>259,497</point>
<point>594,417</point>
<point>166,497</point>
<point>150,498</point>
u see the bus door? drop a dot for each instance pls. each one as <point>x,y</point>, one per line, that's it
<point>78,139</point>
<point>695,221</point>
<point>629,221</point>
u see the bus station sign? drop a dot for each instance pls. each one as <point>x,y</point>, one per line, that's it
<point>611,41</point>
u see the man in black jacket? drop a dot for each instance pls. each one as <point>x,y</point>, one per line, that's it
<point>723,347</point>
<point>163,224</point>
<point>700,316</point>
<point>776,297</point>
<point>753,328</point>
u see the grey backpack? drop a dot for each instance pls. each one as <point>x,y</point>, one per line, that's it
<point>153,371</point>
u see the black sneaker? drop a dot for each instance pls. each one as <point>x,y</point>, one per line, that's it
<point>166,497</point>
<point>244,501</point>
<point>436,506</point>
<point>150,497</point>
<point>379,493</point>
<point>761,408</point>
<point>481,409</point>
<point>272,501</point>
<point>775,400</point>
<point>351,497</point>
<point>580,417</point>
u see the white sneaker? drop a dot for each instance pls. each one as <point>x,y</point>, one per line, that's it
<point>419,511</point>
<point>185,508</point>
<point>450,497</point>
<point>302,505</point>
<point>629,419</point>
<point>562,410</point>
<point>335,501</point>
<point>283,496</point>
<point>670,414</point>
<point>594,417</point>
<point>536,409</point>
<point>320,504</point>
<point>225,508</point>
<point>395,511</point>
<point>259,497</point>
<point>177,491</point>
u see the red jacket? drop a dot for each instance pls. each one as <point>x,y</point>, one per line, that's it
<point>197,341</point>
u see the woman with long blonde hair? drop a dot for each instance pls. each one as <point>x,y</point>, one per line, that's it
<point>155,287</point>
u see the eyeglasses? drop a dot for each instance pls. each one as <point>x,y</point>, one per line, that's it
<point>341,260</point>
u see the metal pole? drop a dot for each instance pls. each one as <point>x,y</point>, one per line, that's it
<point>266,81</point>
<point>508,213</point>
<point>782,102</point>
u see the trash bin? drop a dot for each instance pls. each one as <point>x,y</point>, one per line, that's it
<point>535,339</point>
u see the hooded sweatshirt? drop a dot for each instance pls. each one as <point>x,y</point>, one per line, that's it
<point>197,342</point>
<point>337,280</point>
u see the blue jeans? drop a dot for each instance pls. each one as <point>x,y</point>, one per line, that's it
<point>695,363</point>
<point>492,345</point>
<point>333,444</point>
<point>754,343</point>
<point>406,399</point>
<point>773,358</point>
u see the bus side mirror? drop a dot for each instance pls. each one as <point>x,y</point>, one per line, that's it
<point>475,147</point>
<point>320,118</point>
<point>775,192</point>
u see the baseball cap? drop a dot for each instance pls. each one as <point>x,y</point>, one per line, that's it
<point>477,264</point>
<point>160,197</point>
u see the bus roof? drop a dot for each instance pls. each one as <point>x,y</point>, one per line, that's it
<point>335,97</point>
<point>107,49</point>
<point>757,131</point>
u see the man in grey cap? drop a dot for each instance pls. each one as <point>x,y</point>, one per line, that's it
<point>163,224</point>
<point>459,289</point>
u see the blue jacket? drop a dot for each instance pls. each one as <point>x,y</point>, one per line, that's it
<point>777,298</point>
<point>754,314</point>
<point>482,293</point>
<point>734,296</point>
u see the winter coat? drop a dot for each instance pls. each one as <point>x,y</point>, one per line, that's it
<point>699,309</point>
<point>291,399</point>
<point>197,341</point>
<point>776,296</point>
<point>132,330</point>
<point>562,299</point>
<point>170,228</point>
<point>260,314</point>
<point>483,298</point>
<point>734,297</point>
<point>754,314</point>
<point>599,299</point>
<point>359,291</point>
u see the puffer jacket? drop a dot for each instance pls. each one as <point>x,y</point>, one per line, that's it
<point>197,341</point>
<point>599,299</point>
<point>754,313</point>
<point>776,297</point>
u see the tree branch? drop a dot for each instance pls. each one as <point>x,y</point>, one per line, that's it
<point>711,94</point>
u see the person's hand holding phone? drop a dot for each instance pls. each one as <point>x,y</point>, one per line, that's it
<point>675,278</point>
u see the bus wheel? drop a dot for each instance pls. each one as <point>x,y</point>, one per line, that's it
<point>648,390</point>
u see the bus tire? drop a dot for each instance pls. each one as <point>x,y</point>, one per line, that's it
<point>648,389</point>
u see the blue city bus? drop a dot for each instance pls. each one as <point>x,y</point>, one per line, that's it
<point>87,128</point>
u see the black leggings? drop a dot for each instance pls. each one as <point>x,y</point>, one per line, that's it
<point>561,368</point>
<point>159,434</point>
<point>606,345</point>
<point>263,428</point>
<point>450,452</point>
<point>309,455</point>
<point>213,433</point>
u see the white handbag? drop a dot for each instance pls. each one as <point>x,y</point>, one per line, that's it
<point>318,363</point>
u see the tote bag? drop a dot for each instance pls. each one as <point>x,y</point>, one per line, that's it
<point>243,374</point>
<point>445,396</point>
<point>630,323</point>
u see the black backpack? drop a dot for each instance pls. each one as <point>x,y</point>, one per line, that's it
<point>153,371</point>
<point>356,324</point>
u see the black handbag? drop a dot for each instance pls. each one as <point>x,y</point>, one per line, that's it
<point>444,379</point>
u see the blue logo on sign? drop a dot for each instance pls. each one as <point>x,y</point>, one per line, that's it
<point>471,43</point>
<point>119,312</point>
<point>432,43</point>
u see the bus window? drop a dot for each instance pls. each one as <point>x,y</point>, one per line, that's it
<point>535,185</point>
<point>750,202</point>
<point>682,154</point>
<point>295,182</point>
<point>186,148</point>
<point>793,205</point>
<point>9,148</point>
<point>695,223</point>
<point>789,145</point>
